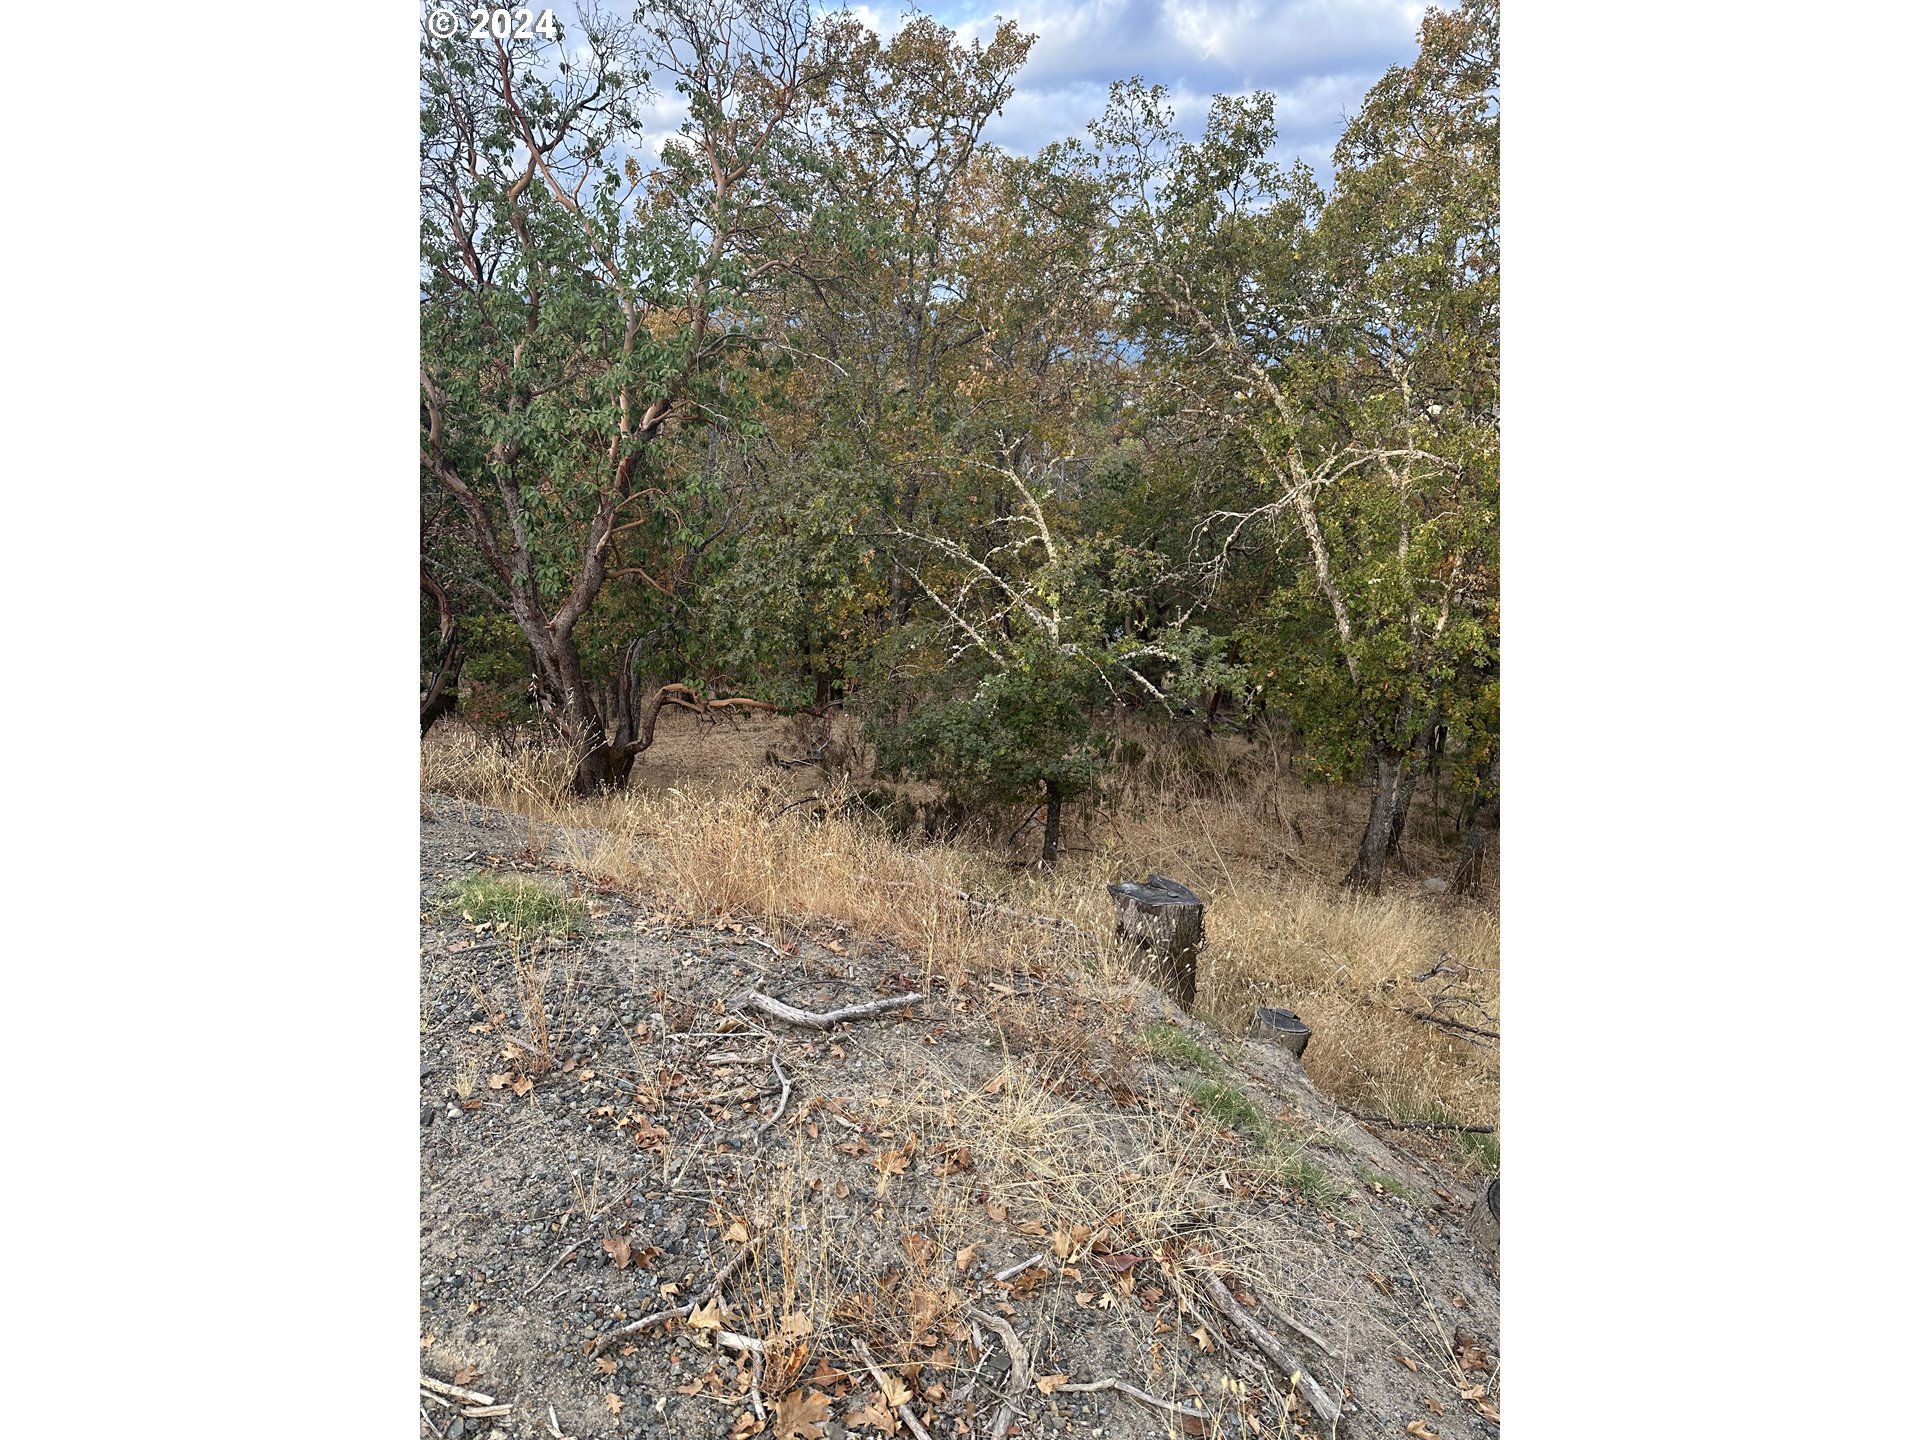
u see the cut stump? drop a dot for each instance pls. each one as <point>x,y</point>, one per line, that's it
<point>1159,925</point>
<point>1282,1027</point>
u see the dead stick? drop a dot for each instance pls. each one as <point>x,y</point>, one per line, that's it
<point>786,1090</point>
<point>823,1020</point>
<point>880,1379</point>
<point>1442,1020</point>
<point>1026,1264</point>
<point>1426,1125</point>
<point>564,1256</point>
<point>1188,1412</point>
<point>1312,1337</point>
<point>454,1392</point>
<point>679,1312</point>
<point>1019,1377</point>
<point>1263,1339</point>
<point>428,1421</point>
<point>732,1341</point>
<point>483,1412</point>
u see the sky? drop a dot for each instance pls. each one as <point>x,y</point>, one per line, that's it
<point>1318,57</point>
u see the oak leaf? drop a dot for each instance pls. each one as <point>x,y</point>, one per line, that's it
<point>1047,1384</point>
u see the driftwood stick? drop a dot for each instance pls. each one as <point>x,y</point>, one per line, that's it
<point>1218,1289</point>
<point>484,1412</point>
<point>1019,1378</point>
<point>880,1379</point>
<point>820,1020</point>
<point>1026,1264</point>
<point>564,1256</point>
<point>454,1392</point>
<point>1264,1341</point>
<point>1133,1392</point>
<point>1427,1125</point>
<point>1445,1023</point>
<point>678,1312</point>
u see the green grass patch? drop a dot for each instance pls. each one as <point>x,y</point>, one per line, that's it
<point>1227,1105</point>
<point>1170,1042</point>
<point>516,903</point>
<point>1303,1177</point>
<point>1383,1182</point>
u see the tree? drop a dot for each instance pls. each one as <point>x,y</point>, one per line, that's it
<point>1352,341</point>
<point>577,304</point>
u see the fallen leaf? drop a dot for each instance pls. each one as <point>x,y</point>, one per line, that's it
<point>894,1389</point>
<point>614,1402</point>
<point>919,1247</point>
<point>1418,1429</point>
<point>707,1316</point>
<point>1487,1411</point>
<point>737,1233</point>
<point>1472,1392</point>
<point>500,1081</point>
<point>1061,1244</point>
<point>606,1364</point>
<point>464,1374</point>
<point>523,1087</point>
<point>1432,1404</point>
<point>1047,1384</point>
<point>1409,1362</point>
<point>1202,1339</point>
<point>997,1209</point>
<point>797,1324</point>
<point>1473,1355</point>
<point>621,1249</point>
<point>995,1085</point>
<point>963,1259</point>
<point>426,1341</point>
<point>879,1417</point>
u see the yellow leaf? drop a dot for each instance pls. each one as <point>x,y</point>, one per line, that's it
<point>707,1316</point>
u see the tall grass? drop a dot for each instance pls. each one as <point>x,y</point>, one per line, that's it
<point>709,830</point>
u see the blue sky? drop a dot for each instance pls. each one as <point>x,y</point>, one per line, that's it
<point>1319,57</point>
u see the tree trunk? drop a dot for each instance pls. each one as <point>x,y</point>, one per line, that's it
<point>1483,816</point>
<point>1392,778</point>
<point>1050,846</point>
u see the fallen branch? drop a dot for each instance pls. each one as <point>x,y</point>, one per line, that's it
<point>880,1379</point>
<point>454,1392</point>
<point>1264,1341</point>
<point>747,1343</point>
<point>1312,1337</point>
<point>1134,1392</point>
<point>485,1412</point>
<point>1442,1020</point>
<point>1426,1125</point>
<point>822,1020</point>
<point>679,1312</point>
<point>565,1255</point>
<point>1019,1377</point>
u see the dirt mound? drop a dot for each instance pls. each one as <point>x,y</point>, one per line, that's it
<point>960,1214</point>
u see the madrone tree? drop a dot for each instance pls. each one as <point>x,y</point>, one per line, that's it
<point>1351,342</point>
<point>579,296</point>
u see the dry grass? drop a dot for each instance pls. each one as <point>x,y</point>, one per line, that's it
<point>710,830</point>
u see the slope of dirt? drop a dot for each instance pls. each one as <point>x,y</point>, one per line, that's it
<point>575,1183</point>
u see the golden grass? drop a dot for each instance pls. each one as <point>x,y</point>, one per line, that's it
<point>709,830</point>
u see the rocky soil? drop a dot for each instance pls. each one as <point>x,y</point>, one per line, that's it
<point>863,1186</point>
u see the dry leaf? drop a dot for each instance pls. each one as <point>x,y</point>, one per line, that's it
<point>1487,1411</point>
<point>963,1259</point>
<point>464,1374</point>
<point>878,1417</point>
<point>1418,1429</point>
<point>1432,1404</point>
<point>426,1341</point>
<point>707,1316</point>
<point>997,1209</point>
<point>614,1402</point>
<point>797,1324</point>
<point>919,1247</point>
<point>523,1087</point>
<point>1047,1384</point>
<point>621,1249</point>
<point>1202,1339</point>
<point>606,1364</point>
<point>1061,1244</point>
<point>995,1085</point>
<point>1473,1355</point>
<point>500,1081</point>
<point>1409,1362</point>
<point>736,1232</point>
<point>894,1389</point>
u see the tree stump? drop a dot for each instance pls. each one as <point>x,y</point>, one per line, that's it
<point>1283,1027</point>
<point>1159,928</point>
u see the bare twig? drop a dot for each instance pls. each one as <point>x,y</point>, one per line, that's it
<point>1133,1392</point>
<point>679,1312</point>
<point>1263,1339</point>
<point>1026,1264</point>
<point>880,1379</point>
<point>748,1343</point>
<point>427,1420</point>
<point>820,1020</point>
<point>485,1412</point>
<point>454,1392</point>
<point>1442,1021</point>
<point>564,1256</point>
<point>786,1091</point>
<point>1312,1337</point>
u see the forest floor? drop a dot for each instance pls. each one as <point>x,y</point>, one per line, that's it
<point>607,1127</point>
